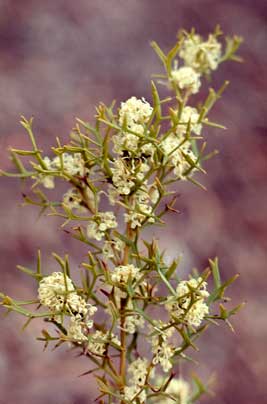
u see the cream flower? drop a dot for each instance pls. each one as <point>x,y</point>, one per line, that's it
<point>189,114</point>
<point>134,113</point>
<point>57,292</point>
<point>161,348</point>
<point>75,330</point>
<point>137,371</point>
<point>112,246</point>
<point>54,291</point>
<point>122,273</point>
<point>186,78</point>
<point>202,56</point>
<point>178,389</point>
<point>103,221</point>
<point>72,164</point>
<point>97,343</point>
<point>72,199</point>
<point>189,305</point>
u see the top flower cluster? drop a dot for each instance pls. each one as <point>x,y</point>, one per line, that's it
<point>199,57</point>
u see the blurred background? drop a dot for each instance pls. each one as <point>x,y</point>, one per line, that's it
<point>60,58</point>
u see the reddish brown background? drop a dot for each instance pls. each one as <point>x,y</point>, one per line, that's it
<point>57,60</point>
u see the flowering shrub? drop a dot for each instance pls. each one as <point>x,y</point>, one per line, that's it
<point>127,161</point>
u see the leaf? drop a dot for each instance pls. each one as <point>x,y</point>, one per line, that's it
<point>215,272</point>
<point>29,272</point>
<point>172,268</point>
<point>159,52</point>
<point>218,293</point>
<point>156,99</point>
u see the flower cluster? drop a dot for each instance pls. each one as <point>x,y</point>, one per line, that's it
<point>137,372</point>
<point>161,348</point>
<point>141,208</point>
<point>125,173</point>
<point>179,389</point>
<point>54,291</point>
<point>71,164</point>
<point>134,114</point>
<point>186,78</point>
<point>72,199</point>
<point>133,320</point>
<point>57,292</point>
<point>189,304</point>
<point>201,55</point>
<point>76,330</point>
<point>177,149</point>
<point>97,343</point>
<point>114,247</point>
<point>123,273</point>
<point>101,223</point>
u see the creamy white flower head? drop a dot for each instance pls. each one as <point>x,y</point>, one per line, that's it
<point>177,388</point>
<point>98,341</point>
<point>111,247</point>
<point>135,111</point>
<point>58,293</point>
<point>180,155</point>
<point>132,393</point>
<point>183,306</point>
<point>162,354</point>
<point>136,218</point>
<point>132,322</point>
<point>54,291</point>
<point>122,177</point>
<point>189,114</point>
<point>122,273</point>
<point>161,348</point>
<point>103,221</point>
<point>137,371</point>
<point>75,331</point>
<point>132,143</point>
<point>48,181</point>
<point>72,199</point>
<point>127,141</point>
<point>186,78</point>
<point>78,306</point>
<point>141,207</point>
<point>202,56</point>
<point>73,164</point>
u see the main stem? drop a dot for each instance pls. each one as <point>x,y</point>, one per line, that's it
<point>123,303</point>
